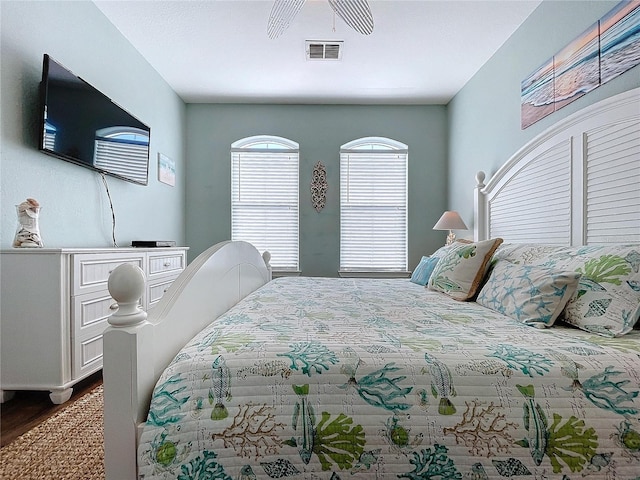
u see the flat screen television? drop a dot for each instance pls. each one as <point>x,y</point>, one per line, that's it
<point>81,125</point>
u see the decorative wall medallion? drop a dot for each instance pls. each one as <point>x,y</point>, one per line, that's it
<point>319,186</point>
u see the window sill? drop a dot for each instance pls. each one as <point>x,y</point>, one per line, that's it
<point>285,273</point>
<point>354,274</point>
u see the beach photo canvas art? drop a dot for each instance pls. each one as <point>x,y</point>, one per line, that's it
<point>577,67</point>
<point>536,93</point>
<point>620,40</point>
<point>166,170</point>
<point>605,50</point>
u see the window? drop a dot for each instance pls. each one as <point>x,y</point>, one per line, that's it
<point>124,151</point>
<point>373,206</point>
<point>264,197</point>
<point>49,136</point>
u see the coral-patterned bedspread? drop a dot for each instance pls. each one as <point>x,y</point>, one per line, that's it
<point>315,378</point>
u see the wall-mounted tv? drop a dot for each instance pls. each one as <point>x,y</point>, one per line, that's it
<point>81,125</point>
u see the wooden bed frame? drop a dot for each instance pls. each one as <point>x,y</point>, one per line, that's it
<point>551,191</point>
<point>139,347</point>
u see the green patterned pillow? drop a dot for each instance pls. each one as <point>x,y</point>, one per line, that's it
<point>462,267</point>
<point>607,300</point>
<point>528,293</point>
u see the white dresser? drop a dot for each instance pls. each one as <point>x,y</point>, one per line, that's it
<point>54,306</point>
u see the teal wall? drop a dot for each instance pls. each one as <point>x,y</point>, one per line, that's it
<point>75,208</point>
<point>320,130</point>
<point>484,117</point>
<point>478,130</point>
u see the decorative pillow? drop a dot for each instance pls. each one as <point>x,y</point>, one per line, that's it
<point>442,251</point>
<point>462,267</point>
<point>526,253</point>
<point>527,293</point>
<point>424,269</point>
<point>607,300</point>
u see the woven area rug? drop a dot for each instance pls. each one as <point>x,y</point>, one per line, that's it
<point>68,445</point>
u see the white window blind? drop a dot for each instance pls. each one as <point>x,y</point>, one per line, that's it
<point>264,198</point>
<point>373,206</point>
<point>49,136</point>
<point>124,151</point>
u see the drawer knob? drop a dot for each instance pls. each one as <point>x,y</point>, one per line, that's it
<point>113,306</point>
<point>167,264</point>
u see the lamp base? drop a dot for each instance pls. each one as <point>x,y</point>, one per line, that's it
<point>450,238</point>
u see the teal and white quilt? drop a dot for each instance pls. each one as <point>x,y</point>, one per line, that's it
<point>328,379</point>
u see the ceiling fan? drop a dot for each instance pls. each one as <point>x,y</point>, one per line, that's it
<point>355,13</point>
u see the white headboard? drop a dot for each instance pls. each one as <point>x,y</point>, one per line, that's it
<point>577,183</point>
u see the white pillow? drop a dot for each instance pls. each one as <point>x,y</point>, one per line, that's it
<point>527,293</point>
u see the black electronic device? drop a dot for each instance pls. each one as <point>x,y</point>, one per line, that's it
<point>153,243</point>
<point>81,125</point>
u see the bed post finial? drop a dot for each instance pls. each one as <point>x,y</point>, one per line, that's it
<point>480,209</point>
<point>266,256</point>
<point>126,286</point>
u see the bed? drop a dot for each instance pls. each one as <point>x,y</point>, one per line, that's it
<point>455,373</point>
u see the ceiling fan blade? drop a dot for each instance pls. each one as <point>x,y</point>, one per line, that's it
<point>282,13</point>
<point>356,13</point>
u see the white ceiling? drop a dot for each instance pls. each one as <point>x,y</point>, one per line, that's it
<point>420,51</point>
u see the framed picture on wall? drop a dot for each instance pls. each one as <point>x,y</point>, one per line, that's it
<point>606,49</point>
<point>619,40</point>
<point>166,170</point>
<point>537,97</point>
<point>577,67</point>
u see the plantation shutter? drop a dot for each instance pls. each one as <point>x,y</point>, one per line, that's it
<point>373,210</point>
<point>264,202</point>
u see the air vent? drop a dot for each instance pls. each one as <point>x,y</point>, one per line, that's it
<point>324,50</point>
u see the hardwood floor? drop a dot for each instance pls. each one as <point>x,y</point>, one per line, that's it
<point>27,409</point>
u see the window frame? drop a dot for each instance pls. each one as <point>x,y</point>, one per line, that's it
<point>382,145</point>
<point>270,144</point>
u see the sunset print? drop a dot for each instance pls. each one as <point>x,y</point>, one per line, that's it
<point>536,93</point>
<point>577,67</point>
<point>606,49</point>
<point>620,40</point>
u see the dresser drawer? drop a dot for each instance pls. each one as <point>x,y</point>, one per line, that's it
<point>156,290</point>
<point>91,272</point>
<point>89,316</point>
<point>90,311</point>
<point>86,357</point>
<point>162,264</point>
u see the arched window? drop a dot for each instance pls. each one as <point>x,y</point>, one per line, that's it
<point>264,197</point>
<point>373,206</point>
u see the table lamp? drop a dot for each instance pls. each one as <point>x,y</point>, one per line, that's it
<point>450,220</point>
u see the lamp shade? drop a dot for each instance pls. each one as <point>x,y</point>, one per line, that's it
<point>450,220</point>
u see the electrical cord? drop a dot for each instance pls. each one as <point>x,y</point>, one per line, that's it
<point>113,213</point>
